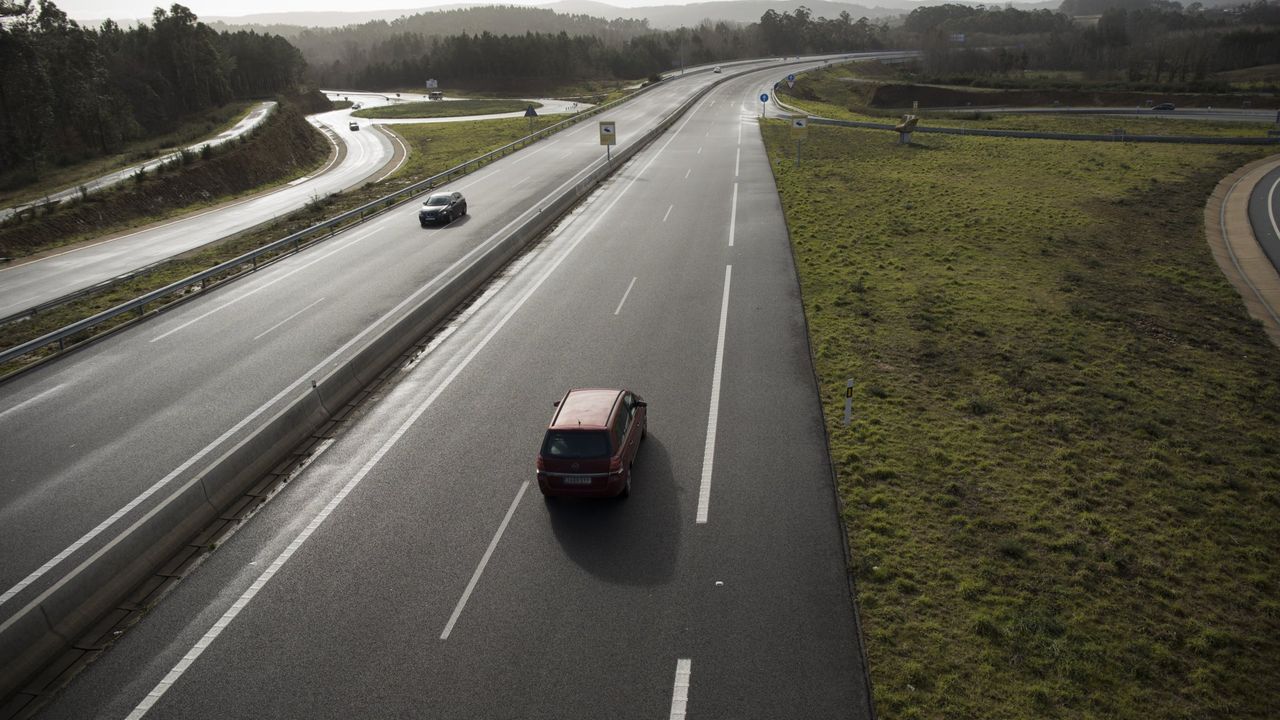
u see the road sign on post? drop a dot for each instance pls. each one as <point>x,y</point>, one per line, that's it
<point>799,129</point>
<point>432,84</point>
<point>608,137</point>
<point>791,80</point>
<point>764,98</point>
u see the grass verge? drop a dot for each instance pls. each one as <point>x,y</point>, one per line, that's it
<point>447,108</point>
<point>435,147</point>
<point>1062,482</point>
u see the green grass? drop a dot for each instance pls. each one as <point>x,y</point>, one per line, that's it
<point>17,187</point>
<point>436,147</point>
<point>1062,481</point>
<point>446,108</point>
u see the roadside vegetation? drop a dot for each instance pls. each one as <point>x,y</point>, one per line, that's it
<point>1062,480</point>
<point>844,92</point>
<point>434,148</point>
<point>446,108</point>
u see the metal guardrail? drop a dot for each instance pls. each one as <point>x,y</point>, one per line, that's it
<point>72,335</point>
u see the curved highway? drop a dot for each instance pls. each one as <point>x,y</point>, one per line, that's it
<point>411,570</point>
<point>1264,211</point>
<point>255,117</point>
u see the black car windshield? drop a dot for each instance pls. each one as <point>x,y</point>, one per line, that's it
<point>576,444</point>
<point>437,200</point>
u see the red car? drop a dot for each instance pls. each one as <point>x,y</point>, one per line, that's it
<point>591,443</point>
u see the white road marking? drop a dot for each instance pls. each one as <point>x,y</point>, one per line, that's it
<point>177,671</point>
<point>32,399</point>
<point>1271,206</point>
<point>733,215</point>
<point>680,688</point>
<point>709,450</point>
<point>102,526</point>
<point>739,133</point>
<point>488,553</point>
<point>624,296</point>
<point>699,149</point>
<point>265,285</point>
<point>737,161</point>
<point>519,181</point>
<point>668,213</point>
<point>686,173</point>
<point>282,322</point>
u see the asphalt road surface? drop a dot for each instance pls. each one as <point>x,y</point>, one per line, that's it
<point>1264,209</point>
<point>26,285</point>
<point>412,570</point>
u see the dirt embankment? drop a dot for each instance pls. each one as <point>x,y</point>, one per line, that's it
<point>284,146</point>
<point>895,95</point>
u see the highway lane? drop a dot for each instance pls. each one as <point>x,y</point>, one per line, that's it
<point>1264,211</point>
<point>92,442</point>
<point>255,117</point>
<point>27,284</point>
<point>583,609</point>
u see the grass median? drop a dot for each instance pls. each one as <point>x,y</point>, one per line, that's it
<point>1062,480</point>
<point>433,148</point>
<point>446,108</point>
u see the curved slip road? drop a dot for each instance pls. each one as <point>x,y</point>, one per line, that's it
<point>1264,215</point>
<point>26,285</point>
<point>433,581</point>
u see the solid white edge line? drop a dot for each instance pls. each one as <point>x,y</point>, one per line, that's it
<point>737,162</point>
<point>176,672</point>
<point>733,215</point>
<point>624,296</point>
<point>680,688</point>
<point>709,449</point>
<point>484,561</point>
<point>32,399</point>
<point>686,173</point>
<point>668,213</point>
<point>282,322</point>
<point>1271,206</point>
<point>102,526</point>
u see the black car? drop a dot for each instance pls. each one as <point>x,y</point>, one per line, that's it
<point>442,208</point>
<point>1163,107</point>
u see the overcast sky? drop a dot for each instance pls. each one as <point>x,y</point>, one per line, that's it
<point>95,10</point>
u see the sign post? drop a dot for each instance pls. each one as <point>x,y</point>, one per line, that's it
<point>791,80</point>
<point>530,113</point>
<point>764,98</point>
<point>800,129</point>
<point>608,137</point>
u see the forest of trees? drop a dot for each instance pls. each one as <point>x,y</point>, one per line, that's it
<point>68,93</point>
<point>1140,41</point>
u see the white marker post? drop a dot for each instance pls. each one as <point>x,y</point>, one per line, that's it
<point>608,137</point>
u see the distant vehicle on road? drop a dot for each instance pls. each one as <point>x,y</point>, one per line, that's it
<point>357,106</point>
<point>442,208</point>
<point>716,70</point>
<point>591,443</point>
<point>353,125</point>
<point>1164,107</point>
<point>435,95</point>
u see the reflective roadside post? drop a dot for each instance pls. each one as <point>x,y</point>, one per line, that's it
<point>608,137</point>
<point>800,131</point>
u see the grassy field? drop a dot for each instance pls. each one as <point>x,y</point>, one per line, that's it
<point>446,108</point>
<point>16,188</point>
<point>435,147</point>
<point>843,96</point>
<point>1062,482</point>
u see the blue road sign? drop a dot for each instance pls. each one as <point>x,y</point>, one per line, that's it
<point>791,78</point>
<point>764,97</point>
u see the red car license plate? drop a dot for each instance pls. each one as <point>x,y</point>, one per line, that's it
<point>576,480</point>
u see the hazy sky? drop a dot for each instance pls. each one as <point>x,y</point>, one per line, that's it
<point>93,10</point>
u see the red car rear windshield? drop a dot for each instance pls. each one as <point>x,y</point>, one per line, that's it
<point>576,444</point>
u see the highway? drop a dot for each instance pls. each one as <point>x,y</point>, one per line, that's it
<point>675,279</point>
<point>25,285</point>
<point>1264,209</point>
<point>255,117</point>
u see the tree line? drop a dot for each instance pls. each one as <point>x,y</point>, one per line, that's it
<point>1153,42</point>
<point>68,92</point>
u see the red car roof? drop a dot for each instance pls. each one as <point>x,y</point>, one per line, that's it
<point>585,408</point>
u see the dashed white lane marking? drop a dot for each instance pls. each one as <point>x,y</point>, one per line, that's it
<point>737,162</point>
<point>680,688</point>
<point>32,399</point>
<point>699,149</point>
<point>488,553</point>
<point>733,215</point>
<point>668,213</point>
<point>686,173</point>
<point>624,296</point>
<point>282,322</point>
<point>709,449</point>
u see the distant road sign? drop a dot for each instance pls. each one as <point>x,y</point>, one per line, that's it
<point>608,132</point>
<point>764,97</point>
<point>799,123</point>
<point>791,77</point>
<point>432,84</point>
<point>530,112</point>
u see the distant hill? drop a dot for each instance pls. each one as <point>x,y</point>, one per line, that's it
<point>660,17</point>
